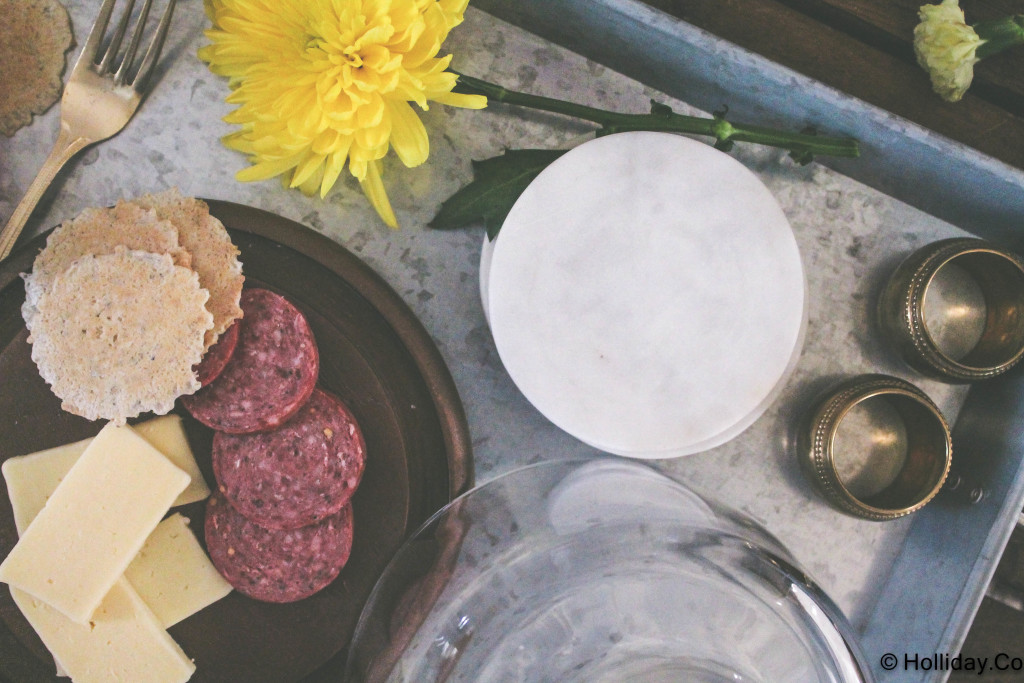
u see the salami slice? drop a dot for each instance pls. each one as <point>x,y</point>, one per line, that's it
<point>272,565</point>
<point>303,471</point>
<point>218,355</point>
<point>271,374</point>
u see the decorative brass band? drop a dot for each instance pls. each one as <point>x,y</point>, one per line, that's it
<point>929,447</point>
<point>1000,276</point>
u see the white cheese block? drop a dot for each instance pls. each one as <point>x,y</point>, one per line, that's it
<point>31,479</point>
<point>94,524</point>
<point>173,575</point>
<point>124,641</point>
<point>167,435</point>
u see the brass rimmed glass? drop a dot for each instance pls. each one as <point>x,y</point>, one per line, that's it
<point>876,447</point>
<point>954,310</point>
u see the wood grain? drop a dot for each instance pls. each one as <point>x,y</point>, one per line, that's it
<point>889,26</point>
<point>864,48</point>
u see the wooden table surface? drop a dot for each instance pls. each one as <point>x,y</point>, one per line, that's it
<point>865,48</point>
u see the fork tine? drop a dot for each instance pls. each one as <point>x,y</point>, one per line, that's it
<point>122,73</point>
<point>153,53</point>
<point>115,41</point>
<point>92,43</point>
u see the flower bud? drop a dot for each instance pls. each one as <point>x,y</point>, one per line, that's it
<point>945,47</point>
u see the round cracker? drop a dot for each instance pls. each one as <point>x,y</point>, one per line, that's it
<point>95,232</point>
<point>34,35</point>
<point>117,334</point>
<point>214,255</point>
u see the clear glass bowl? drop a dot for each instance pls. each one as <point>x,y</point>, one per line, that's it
<point>597,570</point>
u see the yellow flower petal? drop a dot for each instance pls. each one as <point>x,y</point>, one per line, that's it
<point>326,142</point>
<point>373,188</point>
<point>373,138</point>
<point>357,164</point>
<point>370,115</point>
<point>305,170</point>
<point>309,186</point>
<point>333,168</point>
<point>267,169</point>
<point>455,99</point>
<point>403,41</point>
<point>408,135</point>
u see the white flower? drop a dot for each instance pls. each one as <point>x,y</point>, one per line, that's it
<point>946,48</point>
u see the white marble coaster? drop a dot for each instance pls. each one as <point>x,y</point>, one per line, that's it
<point>486,252</point>
<point>646,295</point>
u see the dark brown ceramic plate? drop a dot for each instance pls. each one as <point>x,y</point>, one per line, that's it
<point>374,354</point>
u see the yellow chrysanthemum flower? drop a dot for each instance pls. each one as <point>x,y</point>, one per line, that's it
<point>322,82</point>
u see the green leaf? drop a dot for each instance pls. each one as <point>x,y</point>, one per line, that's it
<point>496,185</point>
<point>802,156</point>
<point>660,110</point>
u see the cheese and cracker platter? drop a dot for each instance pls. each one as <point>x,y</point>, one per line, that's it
<point>335,369</point>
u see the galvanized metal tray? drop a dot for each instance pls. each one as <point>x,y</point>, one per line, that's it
<point>955,548</point>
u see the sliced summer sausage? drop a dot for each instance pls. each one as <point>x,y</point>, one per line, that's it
<point>303,471</point>
<point>274,565</point>
<point>271,374</point>
<point>218,355</point>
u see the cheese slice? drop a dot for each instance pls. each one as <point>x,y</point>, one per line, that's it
<point>167,435</point>
<point>124,641</point>
<point>31,479</point>
<point>173,575</point>
<point>94,524</point>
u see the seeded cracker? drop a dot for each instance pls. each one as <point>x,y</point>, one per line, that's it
<point>99,231</point>
<point>34,35</point>
<point>214,255</point>
<point>117,334</point>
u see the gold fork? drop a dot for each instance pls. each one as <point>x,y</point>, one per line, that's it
<point>98,101</point>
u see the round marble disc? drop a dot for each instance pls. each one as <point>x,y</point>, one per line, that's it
<point>486,252</point>
<point>646,295</point>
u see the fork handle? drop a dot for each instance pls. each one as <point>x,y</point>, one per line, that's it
<point>66,147</point>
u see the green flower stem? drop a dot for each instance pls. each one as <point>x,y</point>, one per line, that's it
<point>999,34</point>
<point>663,119</point>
